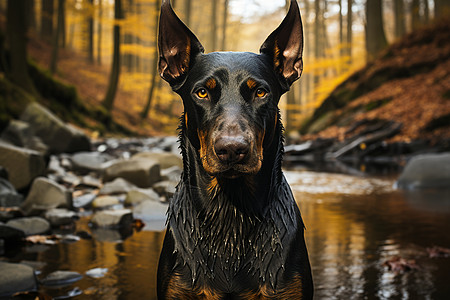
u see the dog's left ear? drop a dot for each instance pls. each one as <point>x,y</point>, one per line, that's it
<point>285,45</point>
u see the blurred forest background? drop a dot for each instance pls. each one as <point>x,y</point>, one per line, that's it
<point>94,62</point>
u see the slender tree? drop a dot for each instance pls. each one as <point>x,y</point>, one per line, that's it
<point>151,91</point>
<point>349,29</point>
<point>108,102</point>
<point>214,25</point>
<point>57,36</point>
<point>399,18</point>
<point>99,32</point>
<point>47,19</point>
<point>415,14</point>
<point>375,37</point>
<point>341,30</point>
<point>224,26</point>
<point>16,30</point>
<point>90,28</point>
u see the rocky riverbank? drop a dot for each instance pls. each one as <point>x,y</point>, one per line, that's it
<point>51,174</point>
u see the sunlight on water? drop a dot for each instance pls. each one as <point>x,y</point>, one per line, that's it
<point>355,226</point>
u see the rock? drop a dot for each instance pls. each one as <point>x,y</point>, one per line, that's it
<point>59,137</point>
<point>16,278</point>
<point>8,194</point>
<point>105,201</point>
<point>426,171</point>
<point>165,188</point>
<point>20,134</point>
<point>152,213</point>
<point>61,278</point>
<point>84,200</point>
<point>54,166</point>
<point>172,174</point>
<point>97,272</point>
<point>113,218</point>
<point>136,196</point>
<point>46,194</point>
<point>31,225</point>
<point>90,161</point>
<point>164,159</point>
<point>90,181</point>
<point>141,172</point>
<point>60,216</point>
<point>10,233</point>
<point>117,186</point>
<point>111,235</point>
<point>23,165</point>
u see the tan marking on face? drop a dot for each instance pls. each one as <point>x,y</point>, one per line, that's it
<point>211,83</point>
<point>251,83</point>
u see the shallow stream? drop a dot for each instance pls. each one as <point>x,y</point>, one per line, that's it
<point>354,225</point>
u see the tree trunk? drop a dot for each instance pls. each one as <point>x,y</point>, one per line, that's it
<point>57,36</point>
<point>415,14</point>
<point>99,32</point>
<point>341,30</point>
<point>16,26</point>
<point>47,19</point>
<point>108,102</point>
<point>214,25</point>
<point>375,37</point>
<point>151,90</point>
<point>187,11</point>
<point>399,15</point>
<point>30,14</point>
<point>349,30</point>
<point>224,26</point>
<point>91,32</point>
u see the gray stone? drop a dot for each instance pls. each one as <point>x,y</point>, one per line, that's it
<point>150,210</point>
<point>164,159</point>
<point>172,174</point>
<point>165,188</point>
<point>84,200</point>
<point>90,161</point>
<point>60,216</point>
<point>117,186</point>
<point>23,165</point>
<point>54,166</point>
<point>8,194</point>
<point>20,134</point>
<point>141,172</point>
<point>426,171</point>
<point>46,194</point>
<point>16,278</point>
<point>136,196</point>
<point>61,278</point>
<point>31,225</point>
<point>152,213</point>
<point>105,201</point>
<point>10,233</point>
<point>112,218</point>
<point>57,135</point>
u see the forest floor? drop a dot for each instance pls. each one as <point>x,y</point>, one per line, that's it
<point>91,82</point>
<point>409,84</point>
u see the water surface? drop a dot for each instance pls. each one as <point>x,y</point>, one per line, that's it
<point>353,226</point>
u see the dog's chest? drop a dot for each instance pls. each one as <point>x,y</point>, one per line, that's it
<point>226,244</point>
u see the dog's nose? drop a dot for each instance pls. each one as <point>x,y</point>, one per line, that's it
<point>231,149</point>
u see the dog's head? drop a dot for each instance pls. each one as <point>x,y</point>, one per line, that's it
<point>230,98</point>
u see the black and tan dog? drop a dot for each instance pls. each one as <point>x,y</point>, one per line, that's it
<point>234,229</point>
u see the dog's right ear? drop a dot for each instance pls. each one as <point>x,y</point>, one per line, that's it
<point>177,46</point>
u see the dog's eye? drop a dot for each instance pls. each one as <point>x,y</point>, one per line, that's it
<point>261,93</point>
<point>202,93</point>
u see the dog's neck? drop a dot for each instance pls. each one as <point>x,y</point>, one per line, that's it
<point>231,217</point>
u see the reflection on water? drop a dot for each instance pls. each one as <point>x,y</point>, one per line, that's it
<point>353,226</point>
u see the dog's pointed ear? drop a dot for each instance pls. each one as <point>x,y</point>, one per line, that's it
<point>177,46</point>
<point>285,45</point>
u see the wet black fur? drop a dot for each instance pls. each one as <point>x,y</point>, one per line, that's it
<point>247,232</point>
